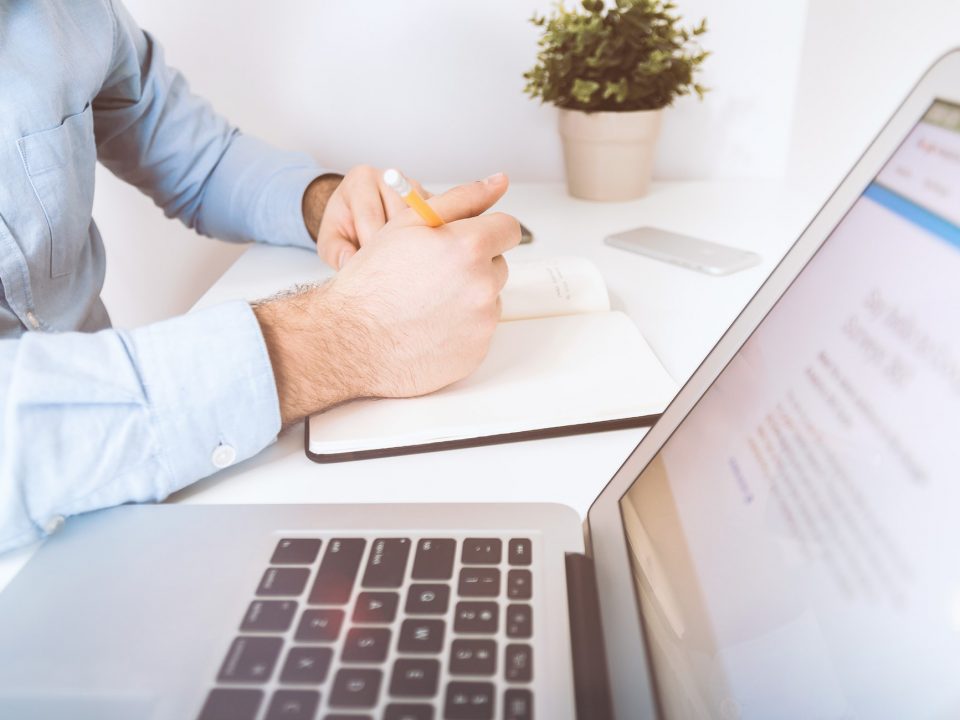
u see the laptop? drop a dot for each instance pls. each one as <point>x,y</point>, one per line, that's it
<point>782,543</point>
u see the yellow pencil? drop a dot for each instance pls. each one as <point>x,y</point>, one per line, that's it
<point>394,179</point>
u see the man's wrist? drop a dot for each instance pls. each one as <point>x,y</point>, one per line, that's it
<point>315,199</point>
<point>315,352</point>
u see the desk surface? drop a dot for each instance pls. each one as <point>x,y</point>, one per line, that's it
<point>681,313</point>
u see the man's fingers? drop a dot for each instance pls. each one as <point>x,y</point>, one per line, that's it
<point>368,216</point>
<point>494,234</point>
<point>393,203</point>
<point>467,201</point>
<point>335,251</point>
<point>500,270</point>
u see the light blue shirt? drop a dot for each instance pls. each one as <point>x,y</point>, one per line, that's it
<point>89,416</point>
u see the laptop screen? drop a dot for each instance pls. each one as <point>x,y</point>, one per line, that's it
<point>795,542</point>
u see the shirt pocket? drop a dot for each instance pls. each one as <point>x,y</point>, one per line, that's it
<point>61,163</point>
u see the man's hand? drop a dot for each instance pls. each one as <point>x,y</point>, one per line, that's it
<point>413,312</point>
<point>343,214</point>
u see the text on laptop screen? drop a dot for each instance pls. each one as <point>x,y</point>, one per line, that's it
<point>794,544</point>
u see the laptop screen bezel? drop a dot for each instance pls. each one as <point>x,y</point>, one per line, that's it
<point>631,679</point>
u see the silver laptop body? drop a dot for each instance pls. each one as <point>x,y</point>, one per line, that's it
<point>781,544</point>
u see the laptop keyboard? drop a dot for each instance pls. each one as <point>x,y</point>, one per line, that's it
<point>405,628</point>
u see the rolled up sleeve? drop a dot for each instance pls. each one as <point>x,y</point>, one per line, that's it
<point>256,193</point>
<point>152,132</point>
<point>94,420</point>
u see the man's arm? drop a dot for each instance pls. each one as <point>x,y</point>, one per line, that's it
<point>412,313</point>
<point>93,420</point>
<point>154,133</point>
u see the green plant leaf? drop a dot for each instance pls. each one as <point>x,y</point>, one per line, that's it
<point>637,54</point>
<point>583,90</point>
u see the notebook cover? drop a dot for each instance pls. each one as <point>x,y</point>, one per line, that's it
<point>539,434</point>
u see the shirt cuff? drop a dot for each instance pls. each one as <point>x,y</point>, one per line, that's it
<point>211,389</point>
<point>256,193</point>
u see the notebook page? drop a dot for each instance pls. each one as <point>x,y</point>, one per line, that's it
<point>538,374</point>
<point>560,286</point>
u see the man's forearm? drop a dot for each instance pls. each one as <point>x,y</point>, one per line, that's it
<point>139,414</point>
<point>315,199</point>
<point>411,314</point>
<point>315,351</point>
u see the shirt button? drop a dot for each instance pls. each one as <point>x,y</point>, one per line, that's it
<point>32,319</point>
<point>53,524</point>
<point>224,455</point>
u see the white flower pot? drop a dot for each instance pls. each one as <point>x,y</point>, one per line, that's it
<point>609,155</point>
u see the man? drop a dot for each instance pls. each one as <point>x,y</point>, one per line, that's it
<point>98,417</point>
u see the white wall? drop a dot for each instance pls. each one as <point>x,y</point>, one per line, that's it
<point>431,86</point>
<point>860,60</point>
<point>435,87</point>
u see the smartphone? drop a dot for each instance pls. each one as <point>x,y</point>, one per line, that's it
<point>683,250</point>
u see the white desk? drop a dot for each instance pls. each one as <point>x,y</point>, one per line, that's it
<point>680,312</point>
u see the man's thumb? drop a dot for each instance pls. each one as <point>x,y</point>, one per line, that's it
<point>470,200</point>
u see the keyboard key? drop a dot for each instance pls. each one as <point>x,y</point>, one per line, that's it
<point>518,663</point>
<point>469,701</point>
<point>519,584</point>
<point>354,687</point>
<point>306,665</point>
<point>434,560</point>
<point>421,636</point>
<point>366,645</point>
<point>519,621</point>
<point>376,607</point>
<point>408,712</point>
<point>481,551</point>
<point>293,705</point>
<point>415,678</point>
<point>283,581</point>
<point>231,704</point>
<point>476,617</point>
<point>295,551</point>
<point>250,659</point>
<point>473,657</point>
<point>428,600</point>
<point>387,564</point>
<point>319,625</point>
<point>338,571</point>
<point>269,616</point>
<point>518,551</point>
<point>479,582</point>
<point>517,704</point>
<point>349,716</point>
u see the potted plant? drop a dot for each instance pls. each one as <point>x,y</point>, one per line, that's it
<point>611,71</point>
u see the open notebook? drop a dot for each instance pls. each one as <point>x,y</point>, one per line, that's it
<point>560,363</point>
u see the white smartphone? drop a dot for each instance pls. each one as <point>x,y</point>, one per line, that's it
<point>689,252</point>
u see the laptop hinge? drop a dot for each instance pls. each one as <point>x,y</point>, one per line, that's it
<point>591,684</point>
